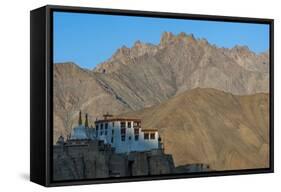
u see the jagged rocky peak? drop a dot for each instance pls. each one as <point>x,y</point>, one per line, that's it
<point>125,55</point>
<point>138,44</point>
<point>139,48</point>
<point>123,51</point>
<point>168,38</point>
<point>174,46</point>
<point>185,36</point>
<point>241,49</point>
<point>121,56</point>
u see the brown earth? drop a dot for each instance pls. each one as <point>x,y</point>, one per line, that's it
<point>213,127</point>
<point>147,75</point>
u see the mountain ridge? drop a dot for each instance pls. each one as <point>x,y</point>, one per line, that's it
<point>147,75</point>
<point>167,39</point>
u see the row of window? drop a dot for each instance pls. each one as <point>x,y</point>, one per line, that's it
<point>123,131</point>
<point>101,126</point>
<point>147,136</point>
<point>123,125</point>
<point>105,132</point>
<point>129,124</point>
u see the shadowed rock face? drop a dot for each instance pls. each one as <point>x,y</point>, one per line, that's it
<point>213,127</point>
<point>147,75</point>
<point>93,159</point>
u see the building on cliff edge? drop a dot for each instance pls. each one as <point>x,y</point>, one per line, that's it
<point>125,135</point>
<point>115,147</point>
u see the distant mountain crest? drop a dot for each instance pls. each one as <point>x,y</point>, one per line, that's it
<point>185,42</point>
<point>197,95</point>
<point>145,75</point>
<point>168,37</point>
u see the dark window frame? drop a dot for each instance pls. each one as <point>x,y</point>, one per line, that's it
<point>146,136</point>
<point>136,137</point>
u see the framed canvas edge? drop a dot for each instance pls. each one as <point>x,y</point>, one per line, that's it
<point>49,92</point>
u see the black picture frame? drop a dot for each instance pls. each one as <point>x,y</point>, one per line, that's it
<point>41,93</point>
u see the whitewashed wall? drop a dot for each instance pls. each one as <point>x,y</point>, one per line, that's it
<point>129,144</point>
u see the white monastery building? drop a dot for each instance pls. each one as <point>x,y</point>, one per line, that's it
<point>125,135</point>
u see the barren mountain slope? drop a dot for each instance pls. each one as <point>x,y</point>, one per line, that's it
<point>182,63</point>
<point>146,75</point>
<point>213,127</point>
<point>77,89</point>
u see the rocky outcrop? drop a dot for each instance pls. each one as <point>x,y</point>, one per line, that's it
<point>94,159</point>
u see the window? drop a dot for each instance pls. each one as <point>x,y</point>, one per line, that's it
<point>101,126</point>
<point>105,132</point>
<point>123,124</point>
<point>136,131</point>
<point>123,131</point>
<point>152,135</point>
<point>106,125</point>
<point>130,138</point>
<point>112,139</point>
<point>123,138</point>
<point>97,130</point>
<point>146,136</point>
<point>112,131</point>
<point>112,124</point>
<point>136,124</point>
<point>129,125</point>
<point>136,137</point>
<point>101,133</point>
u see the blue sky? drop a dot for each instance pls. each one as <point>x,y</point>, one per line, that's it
<point>89,39</point>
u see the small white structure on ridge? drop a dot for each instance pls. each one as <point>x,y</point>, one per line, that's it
<point>125,135</point>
